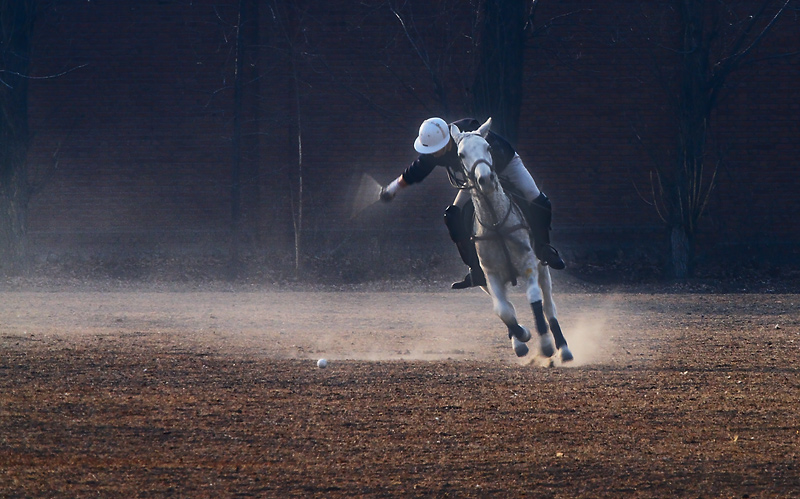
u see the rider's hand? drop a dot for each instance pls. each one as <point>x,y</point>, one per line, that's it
<point>387,194</point>
<point>390,191</point>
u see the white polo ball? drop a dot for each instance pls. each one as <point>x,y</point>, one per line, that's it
<point>322,363</point>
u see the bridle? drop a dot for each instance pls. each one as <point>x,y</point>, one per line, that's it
<point>467,180</point>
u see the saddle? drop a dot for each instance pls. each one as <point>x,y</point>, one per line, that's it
<point>468,213</point>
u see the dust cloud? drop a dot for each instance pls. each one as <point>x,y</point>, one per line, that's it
<point>371,326</point>
<point>588,335</point>
<point>454,326</point>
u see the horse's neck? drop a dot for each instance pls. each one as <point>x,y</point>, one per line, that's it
<point>491,207</point>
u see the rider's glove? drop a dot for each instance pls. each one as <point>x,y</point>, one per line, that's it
<point>390,191</point>
<point>387,195</point>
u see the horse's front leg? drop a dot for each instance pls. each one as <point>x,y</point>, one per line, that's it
<point>549,310</point>
<point>534,294</point>
<point>504,309</point>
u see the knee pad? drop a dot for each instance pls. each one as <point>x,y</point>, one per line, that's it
<point>454,223</point>
<point>542,202</point>
<point>459,221</point>
<point>540,214</point>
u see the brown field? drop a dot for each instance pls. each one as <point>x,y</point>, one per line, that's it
<point>153,392</point>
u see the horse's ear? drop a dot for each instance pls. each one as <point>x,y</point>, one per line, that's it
<point>484,129</point>
<point>455,132</point>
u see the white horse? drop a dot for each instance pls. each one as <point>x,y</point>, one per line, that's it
<point>504,248</point>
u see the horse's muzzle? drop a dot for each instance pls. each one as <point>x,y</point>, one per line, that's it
<point>486,180</point>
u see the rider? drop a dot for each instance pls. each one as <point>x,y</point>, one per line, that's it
<point>437,148</point>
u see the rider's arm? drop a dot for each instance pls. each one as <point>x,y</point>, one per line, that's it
<point>416,172</point>
<point>419,169</point>
<point>390,191</point>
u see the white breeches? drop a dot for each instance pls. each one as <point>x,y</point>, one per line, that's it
<point>515,174</point>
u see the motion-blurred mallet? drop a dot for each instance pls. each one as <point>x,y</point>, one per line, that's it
<point>368,193</point>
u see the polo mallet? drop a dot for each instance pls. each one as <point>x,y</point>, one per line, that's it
<point>367,194</point>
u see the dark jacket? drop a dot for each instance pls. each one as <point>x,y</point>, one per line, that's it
<point>502,154</point>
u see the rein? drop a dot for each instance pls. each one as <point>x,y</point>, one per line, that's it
<point>498,232</point>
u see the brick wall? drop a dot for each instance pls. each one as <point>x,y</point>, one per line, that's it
<point>140,125</point>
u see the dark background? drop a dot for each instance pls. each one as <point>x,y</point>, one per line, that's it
<point>135,126</point>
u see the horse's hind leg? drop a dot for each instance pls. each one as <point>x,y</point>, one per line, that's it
<point>504,309</point>
<point>549,310</point>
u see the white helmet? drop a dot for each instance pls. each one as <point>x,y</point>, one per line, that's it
<point>434,134</point>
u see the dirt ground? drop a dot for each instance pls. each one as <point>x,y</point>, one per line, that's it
<point>154,392</point>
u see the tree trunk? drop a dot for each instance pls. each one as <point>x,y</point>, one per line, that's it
<point>497,92</point>
<point>16,21</point>
<point>689,189</point>
<point>297,216</point>
<point>13,221</point>
<point>681,247</point>
<point>236,160</point>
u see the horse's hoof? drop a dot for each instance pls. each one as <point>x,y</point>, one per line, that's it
<point>520,348</point>
<point>566,354</point>
<point>546,345</point>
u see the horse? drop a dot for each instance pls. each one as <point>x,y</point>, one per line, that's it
<point>502,240</point>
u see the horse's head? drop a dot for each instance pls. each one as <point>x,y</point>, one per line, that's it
<point>475,155</point>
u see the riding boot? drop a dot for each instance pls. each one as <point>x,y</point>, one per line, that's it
<point>460,233</point>
<point>469,255</point>
<point>539,215</point>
